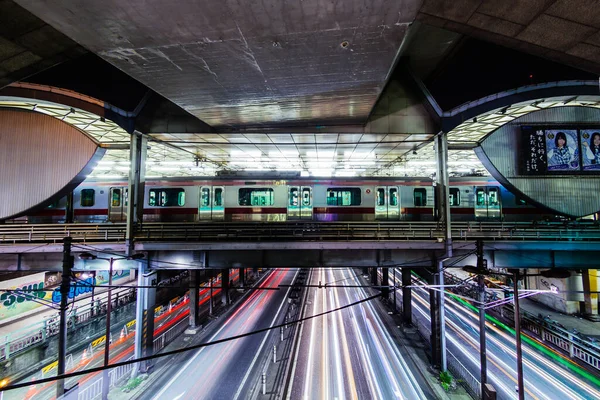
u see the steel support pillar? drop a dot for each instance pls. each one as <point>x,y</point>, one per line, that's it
<point>70,209</point>
<point>242,277</point>
<point>435,329</point>
<point>443,190</point>
<point>406,296</point>
<point>385,283</point>
<point>65,287</point>
<point>194,299</point>
<point>137,179</point>
<point>225,286</point>
<point>374,276</point>
<point>144,312</point>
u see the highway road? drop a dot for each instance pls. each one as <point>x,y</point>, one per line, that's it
<point>228,370</point>
<point>121,349</point>
<point>544,376</point>
<point>349,354</point>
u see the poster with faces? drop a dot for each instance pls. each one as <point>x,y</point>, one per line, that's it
<point>589,140</point>
<point>562,150</point>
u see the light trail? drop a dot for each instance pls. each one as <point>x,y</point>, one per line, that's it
<point>542,375</point>
<point>357,357</point>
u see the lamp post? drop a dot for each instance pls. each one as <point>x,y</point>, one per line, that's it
<point>89,256</point>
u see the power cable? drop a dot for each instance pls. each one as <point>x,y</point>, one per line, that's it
<point>179,351</point>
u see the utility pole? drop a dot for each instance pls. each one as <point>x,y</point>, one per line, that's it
<point>65,287</point>
<point>482,340</point>
<point>105,376</point>
<point>518,334</point>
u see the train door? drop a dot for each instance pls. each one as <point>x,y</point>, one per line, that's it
<point>117,205</point>
<point>300,203</point>
<point>387,203</point>
<point>488,203</point>
<point>210,204</point>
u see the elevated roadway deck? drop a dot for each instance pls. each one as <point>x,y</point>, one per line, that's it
<point>307,244</point>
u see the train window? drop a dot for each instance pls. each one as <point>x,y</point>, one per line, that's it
<point>454,197</point>
<point>381,197</point>
<point>116,198</point>
<point>255,197</point>
<point>87,197</point>
<point>306,196</point>
<point>294,197</point>
<point>205,197</point>
<point>393,197</point>
<point>493,197</point>
<point>480,197</point>
<point>218,197</point>
<point>343,196</point>
<point>167,197</point>
<point>420,197</point>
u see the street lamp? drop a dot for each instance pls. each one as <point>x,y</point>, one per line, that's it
<point>90,256</point>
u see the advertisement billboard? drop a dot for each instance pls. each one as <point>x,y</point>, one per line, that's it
<point>551,150</point>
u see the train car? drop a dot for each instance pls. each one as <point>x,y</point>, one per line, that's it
<point>350,199</point>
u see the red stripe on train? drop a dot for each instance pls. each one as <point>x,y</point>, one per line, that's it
<point>344,210</point>
<point>255,210</point>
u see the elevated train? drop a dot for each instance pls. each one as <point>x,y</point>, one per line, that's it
<point>331,199</point>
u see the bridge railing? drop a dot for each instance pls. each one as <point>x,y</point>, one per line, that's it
<point>299,231</point>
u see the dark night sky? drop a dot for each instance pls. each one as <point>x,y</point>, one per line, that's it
<point>91,75</point>
<point>478,69</point>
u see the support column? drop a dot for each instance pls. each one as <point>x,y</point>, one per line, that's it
<point>242,277</point>
<point>194,293</point>
<point>70,209</point>
<point>137,179</point>
<point>225,286</point>
<point>590,295</point>
<point>406,296</point>
<point>385,282</point>
<point>374,276</point>
<point>435,330</point>
<point>65,286</point>
<point>144,312</point>
<point>443,188</point>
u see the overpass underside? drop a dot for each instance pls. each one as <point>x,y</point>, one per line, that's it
<point>218,255</point>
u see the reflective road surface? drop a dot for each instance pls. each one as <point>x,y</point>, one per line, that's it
<point>348,354</point>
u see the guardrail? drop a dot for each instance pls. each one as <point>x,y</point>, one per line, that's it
<point>93,391</point>
<point>469,382</point>
<point>165,338</point>
<point>300,231</point>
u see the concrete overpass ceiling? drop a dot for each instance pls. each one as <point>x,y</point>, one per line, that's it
<point>29,45</point>
<point>565,31</point>
<point>268,63</point>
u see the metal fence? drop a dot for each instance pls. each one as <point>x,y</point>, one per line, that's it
<point>165,338</point>
<point>116,375</point>
<point>463,376</point>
